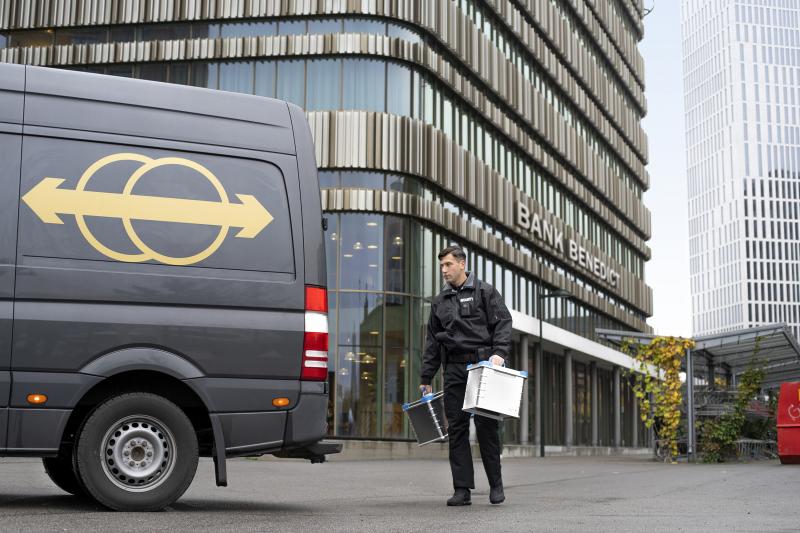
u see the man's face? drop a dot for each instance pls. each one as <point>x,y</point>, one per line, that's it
<point>452,269</point>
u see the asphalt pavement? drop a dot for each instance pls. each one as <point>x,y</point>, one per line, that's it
<point>551,494</point>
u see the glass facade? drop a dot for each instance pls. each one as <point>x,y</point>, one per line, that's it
<point>382,267</point>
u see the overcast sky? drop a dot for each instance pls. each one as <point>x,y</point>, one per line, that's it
<point>668,270</point>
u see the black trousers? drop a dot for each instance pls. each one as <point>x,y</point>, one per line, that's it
<point>455,384</point>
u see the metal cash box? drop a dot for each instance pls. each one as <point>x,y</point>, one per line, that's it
<point>427,418</point>
<point>493,391</point>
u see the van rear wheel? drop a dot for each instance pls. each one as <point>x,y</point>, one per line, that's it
<point>136,452</point>
<point>59,470</point>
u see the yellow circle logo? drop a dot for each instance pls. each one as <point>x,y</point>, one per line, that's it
<point>48,201</point>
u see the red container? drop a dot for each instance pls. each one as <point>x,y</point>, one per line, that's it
<point>789,423</point>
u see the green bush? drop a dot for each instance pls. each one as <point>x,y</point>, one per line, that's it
<point>719,436</point>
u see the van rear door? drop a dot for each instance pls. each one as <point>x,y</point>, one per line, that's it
<point>12,85</point>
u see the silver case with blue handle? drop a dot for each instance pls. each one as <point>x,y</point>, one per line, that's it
<point>427,418</point>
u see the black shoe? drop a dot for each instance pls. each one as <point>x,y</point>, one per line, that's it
<point>496,495</point>
<point>460,497</point>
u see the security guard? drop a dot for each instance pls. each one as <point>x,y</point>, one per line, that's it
<point>469,322</point>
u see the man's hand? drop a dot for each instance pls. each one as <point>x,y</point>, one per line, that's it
<point>425,389</point>
<point>497,360</point>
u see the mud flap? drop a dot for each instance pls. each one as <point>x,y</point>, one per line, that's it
<point>220,468</point>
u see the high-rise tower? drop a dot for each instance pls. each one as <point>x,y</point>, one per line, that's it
<point>742,97</point>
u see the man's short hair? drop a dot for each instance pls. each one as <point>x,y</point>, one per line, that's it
<point>457,252</point>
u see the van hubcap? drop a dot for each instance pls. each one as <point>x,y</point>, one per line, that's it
<point>138,453</point>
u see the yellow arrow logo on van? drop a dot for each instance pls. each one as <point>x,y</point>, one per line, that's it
<point>48,201</point>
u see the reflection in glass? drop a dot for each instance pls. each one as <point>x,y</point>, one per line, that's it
<point>204,75</point>
<point>247,29</point>
<point>323,84</point>
<point>364,26</point>
<point>324,26</point>
<point>332,248</point>
<point>236,76</point>
<point>358,360</point>
<point>265,78</point>
<point>121,34</point>
<point>398,83</point>
<point>396,30</point>
<point>357,391</point>
<point>395,364</point>
<point>31,38</point>
<point>81,36</point>
<point>360,319</point>
<point>292,27</point>
<point>332,368</point>
<point>291,82</point>
<point>364,84</point>
<point>395,241</point>
<point>163,32</point>
<point>153,71</point>
<point>361,179</point>
<point>361,252</point>
<point>125,71</point>
<point>202,30</point>
<point>179,73</point>
<point>328,178</point>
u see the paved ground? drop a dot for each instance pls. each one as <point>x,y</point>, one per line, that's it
<point>552,494</point>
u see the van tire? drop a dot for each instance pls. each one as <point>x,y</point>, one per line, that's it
<point>59,470</point>
<point>136,452</point>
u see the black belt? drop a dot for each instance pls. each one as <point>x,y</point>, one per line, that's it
<point>468,357</point>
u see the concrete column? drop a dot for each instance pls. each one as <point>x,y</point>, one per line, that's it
<point>594,405</point>
<point>635,421</point>
<point>525,408</point>
<point>537,402</point>
<point>617,408</point>
<point>568,396</point>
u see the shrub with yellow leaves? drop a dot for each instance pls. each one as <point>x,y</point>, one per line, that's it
<point>657,385</point>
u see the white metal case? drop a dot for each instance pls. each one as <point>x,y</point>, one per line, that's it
<point>493,391</point>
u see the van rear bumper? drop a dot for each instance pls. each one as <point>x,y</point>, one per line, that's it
<point>307,422</point>
<point>257,433</point>
<point>307,425</point>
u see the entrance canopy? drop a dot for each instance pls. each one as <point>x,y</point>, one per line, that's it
<point>773,347</point>
<point>731,352</point>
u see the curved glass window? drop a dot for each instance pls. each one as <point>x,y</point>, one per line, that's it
<point>361,257</point>
<point>364,84</point>
<point>206,29</point>
<point>359,356</point>
<point>378,327</point>
<point>243,29</point>
<point>323,84</point>
<point>291,81</point>
<point>265,75</point>
<point>236,76</point>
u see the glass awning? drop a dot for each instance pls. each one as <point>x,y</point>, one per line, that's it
<point>732,351</point>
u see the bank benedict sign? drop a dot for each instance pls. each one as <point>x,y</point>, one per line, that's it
<point>543,231</point>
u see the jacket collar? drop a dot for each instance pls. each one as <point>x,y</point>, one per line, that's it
<point>470,283</point>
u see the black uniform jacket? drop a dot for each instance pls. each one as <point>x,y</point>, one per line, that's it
<point>467,324</point>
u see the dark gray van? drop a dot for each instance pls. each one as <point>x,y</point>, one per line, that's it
<point>162,282</point>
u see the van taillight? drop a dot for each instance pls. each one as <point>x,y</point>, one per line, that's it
<point>315,339</point>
